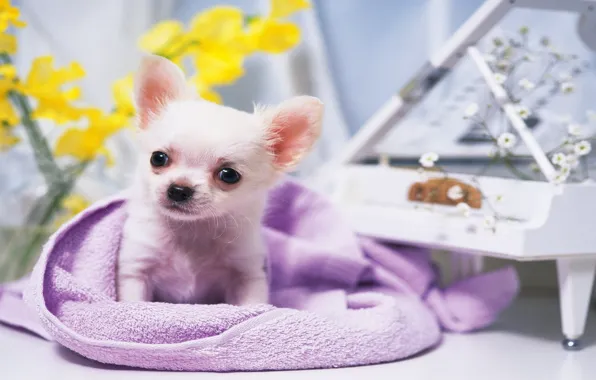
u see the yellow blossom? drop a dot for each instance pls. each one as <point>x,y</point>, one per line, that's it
<point>220,27</point>
<point>219,67</point>
<point>71,205</point>
<point>82,144</point>
<point>85,144</point>
<point>8,115</point>
<point>8,43</point>
<point>220,23</point>
<point>273,36</point>
<point>7,79</point>
<point>122,91</point>
<point>8,71</point>
<point>75,203</point>
<point>165,38</point>
<point>46,85</point>
<point>285,8</point>
<point>9,15</point>
<point>7,139</point>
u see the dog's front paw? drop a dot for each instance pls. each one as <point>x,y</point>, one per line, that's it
<point>132,290</point>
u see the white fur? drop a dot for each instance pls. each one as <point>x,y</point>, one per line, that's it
<point>210,250</point>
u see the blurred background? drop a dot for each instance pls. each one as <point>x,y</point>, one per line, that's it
<point>354,55</point>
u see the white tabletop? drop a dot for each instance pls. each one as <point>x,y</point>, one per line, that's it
<point>524,344</point>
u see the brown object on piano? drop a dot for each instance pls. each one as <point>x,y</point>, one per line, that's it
<point>435,191</point>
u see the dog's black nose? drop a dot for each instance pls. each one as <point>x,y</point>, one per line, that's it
<point>180,193</point>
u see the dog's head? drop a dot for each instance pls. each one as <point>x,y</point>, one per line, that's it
<point>200,159</point>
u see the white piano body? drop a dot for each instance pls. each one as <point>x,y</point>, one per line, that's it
<point>544,221</point>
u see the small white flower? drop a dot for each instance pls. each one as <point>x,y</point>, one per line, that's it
<point>574,129</point>
<point>490,58</point>
<point>499,198</point>
<point>522,111</point>
<point>534,167</point>
<point>561,177</point>
<point>565,170</point>
<point>489,222</point>
<point>559,159</point>
<point>572,161</point>
<point>582,148</point>
<point>506,140</point>
<point>567,87</point>
<point>471,110</point>
<point>463,209</point>
<point>428,159</point>
<point>526,84</point>
<point>591,115</point>
<point>500,78</point>
<point>455,192</point>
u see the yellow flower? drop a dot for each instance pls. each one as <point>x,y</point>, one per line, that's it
<point>8,43</point>
<point>7,75</point>
<point>82,144</point>
<point>8,115</point>
<point>285,8</point>
<point>86,144</point>
<point>7,139</point>
<point>9,15</point>
<point>122,91</point>
<point>220,27</point>
<point>219,67</point>
<point>273,36</point>
<point>46,85</point>
<point>218,23</point>
<point>75,203</point>
<point>164,38</point>
<point>204,91</point>
<point>8,71</point>
<point>72,205</point>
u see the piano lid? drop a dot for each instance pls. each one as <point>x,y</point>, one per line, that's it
<point>548,70</point>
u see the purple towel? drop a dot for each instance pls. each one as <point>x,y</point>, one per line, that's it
<point>339,299</point>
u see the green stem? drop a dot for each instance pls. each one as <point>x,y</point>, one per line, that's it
<point>41,215</point>
<point>41,150</point>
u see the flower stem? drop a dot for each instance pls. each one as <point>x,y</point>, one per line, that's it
<point>42,213</point>
<point>43,155</point>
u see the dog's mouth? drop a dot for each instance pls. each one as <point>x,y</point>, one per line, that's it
<point>184,210</point>
<point>178,208</point>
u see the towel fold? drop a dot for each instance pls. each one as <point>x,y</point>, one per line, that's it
<point>338,299</point>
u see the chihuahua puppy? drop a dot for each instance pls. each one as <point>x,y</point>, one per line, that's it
<point>193,233</point>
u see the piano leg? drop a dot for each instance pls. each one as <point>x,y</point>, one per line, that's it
<point>576,277</point>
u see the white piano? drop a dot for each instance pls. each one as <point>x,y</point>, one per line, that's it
<point>544,220</point>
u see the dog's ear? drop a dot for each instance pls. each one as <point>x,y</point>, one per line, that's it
<point>292,129</point>
<point>157,82</point>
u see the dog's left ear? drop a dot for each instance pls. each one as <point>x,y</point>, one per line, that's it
<point>158,81</point>
<point>292,129</point>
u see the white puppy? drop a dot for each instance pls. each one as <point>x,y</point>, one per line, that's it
<point>193,233</point>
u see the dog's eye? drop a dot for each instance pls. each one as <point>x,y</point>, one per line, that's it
<point>159,159</point>
<point>229,176</point>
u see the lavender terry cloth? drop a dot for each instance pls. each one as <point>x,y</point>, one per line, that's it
<point>337,299</point>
